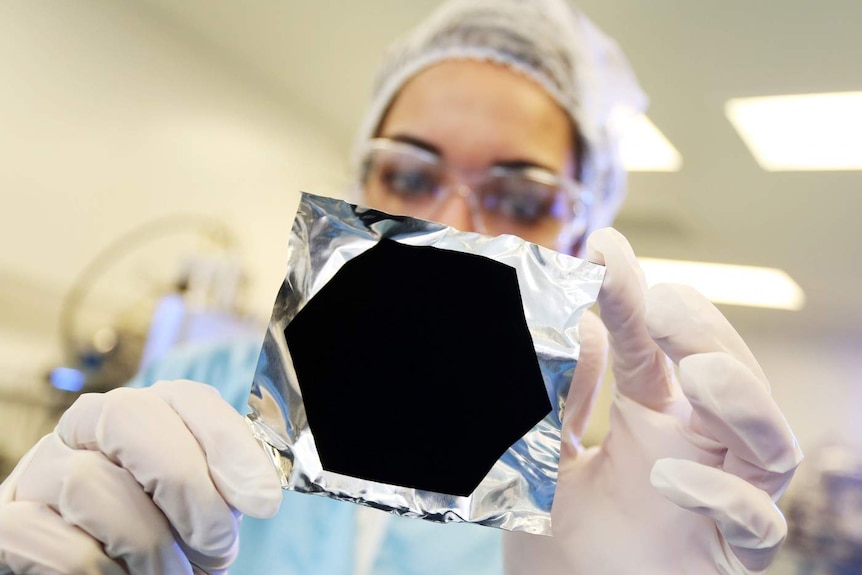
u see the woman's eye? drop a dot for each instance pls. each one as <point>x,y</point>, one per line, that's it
<point>525,209</point>
<point>408,182</point>
<point>521,201</point>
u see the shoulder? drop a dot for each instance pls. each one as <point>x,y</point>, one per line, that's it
<point>430,548</point>
<point>227,365</point>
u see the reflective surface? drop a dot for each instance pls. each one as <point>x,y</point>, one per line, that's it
<point>556,289</point>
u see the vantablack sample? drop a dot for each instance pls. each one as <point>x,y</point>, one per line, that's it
<point>417,367</point>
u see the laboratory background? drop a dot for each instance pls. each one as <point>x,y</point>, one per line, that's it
<point>152,153</point>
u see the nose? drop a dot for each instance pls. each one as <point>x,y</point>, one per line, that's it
<point>455,210</point>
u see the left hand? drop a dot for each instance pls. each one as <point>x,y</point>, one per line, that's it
<point>687,478</point>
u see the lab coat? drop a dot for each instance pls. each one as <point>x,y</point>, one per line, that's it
<point>315,534</point>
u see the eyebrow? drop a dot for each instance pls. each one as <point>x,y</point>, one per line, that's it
<point>524,165</point>
<point>513,164</point>
<point>414,141</point>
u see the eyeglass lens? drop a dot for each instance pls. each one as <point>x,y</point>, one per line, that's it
<point>508,200</point>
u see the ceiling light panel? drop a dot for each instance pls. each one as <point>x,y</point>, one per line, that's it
<point>729,284</point>
<point>801,132</point>
<point>645,149</point>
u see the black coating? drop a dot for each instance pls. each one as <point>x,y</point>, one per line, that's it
<point>417,368</point>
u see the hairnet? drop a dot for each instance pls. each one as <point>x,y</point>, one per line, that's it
<point>552,43</point>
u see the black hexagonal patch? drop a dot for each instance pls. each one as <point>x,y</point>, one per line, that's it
<point>417,368</point>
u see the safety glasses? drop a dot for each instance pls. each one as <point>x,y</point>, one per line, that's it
<point>533,203</point>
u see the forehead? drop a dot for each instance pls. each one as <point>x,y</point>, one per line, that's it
<point>478,113</point>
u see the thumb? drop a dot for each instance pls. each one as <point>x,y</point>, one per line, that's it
<point>640,366</point>
<point>592,361</point>
<point>237,464</point>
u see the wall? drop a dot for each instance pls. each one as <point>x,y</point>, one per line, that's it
<point>109,119</point>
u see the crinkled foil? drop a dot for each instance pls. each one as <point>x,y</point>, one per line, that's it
<point>556,289</point>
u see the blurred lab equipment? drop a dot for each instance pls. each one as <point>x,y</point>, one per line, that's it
<point>174,280</point>
<point>824,512</point>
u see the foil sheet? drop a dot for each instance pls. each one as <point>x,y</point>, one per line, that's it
<point>556,289</point>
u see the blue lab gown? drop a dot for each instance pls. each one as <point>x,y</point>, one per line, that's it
<point>313,534</point>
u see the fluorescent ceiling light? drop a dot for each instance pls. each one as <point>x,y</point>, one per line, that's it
<point>801,132</point>
<point>729,284</point>
<point>645,149</point>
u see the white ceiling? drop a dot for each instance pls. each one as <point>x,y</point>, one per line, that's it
<point>319,58</point>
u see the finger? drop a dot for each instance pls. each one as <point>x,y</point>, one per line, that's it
<point>683,322</point>
<point>735,408</point>
<point>748,520</point>
<point>34,540</point>
<point>105,501</point>
<point>138,431</point>
<point>592,360</point>
<point>9,486</point>
<point>238,466</point>
<point>640,368</point>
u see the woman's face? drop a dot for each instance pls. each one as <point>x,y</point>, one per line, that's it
<point>476,116</point>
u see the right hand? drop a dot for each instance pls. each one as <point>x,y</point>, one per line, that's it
<point>687,478</point>
<point>139,481</point>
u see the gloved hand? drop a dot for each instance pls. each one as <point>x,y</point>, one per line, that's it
<point>686,479</point>
<point>147,481</point>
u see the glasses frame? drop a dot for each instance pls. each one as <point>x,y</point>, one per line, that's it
<point>463,183</point>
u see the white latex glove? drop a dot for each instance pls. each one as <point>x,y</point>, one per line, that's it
<point>686,479</point>
<point>140,481</point>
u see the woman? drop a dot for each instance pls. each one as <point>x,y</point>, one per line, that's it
<point>499,117</point>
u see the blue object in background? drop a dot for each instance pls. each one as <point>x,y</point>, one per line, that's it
<point>67,379</point>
